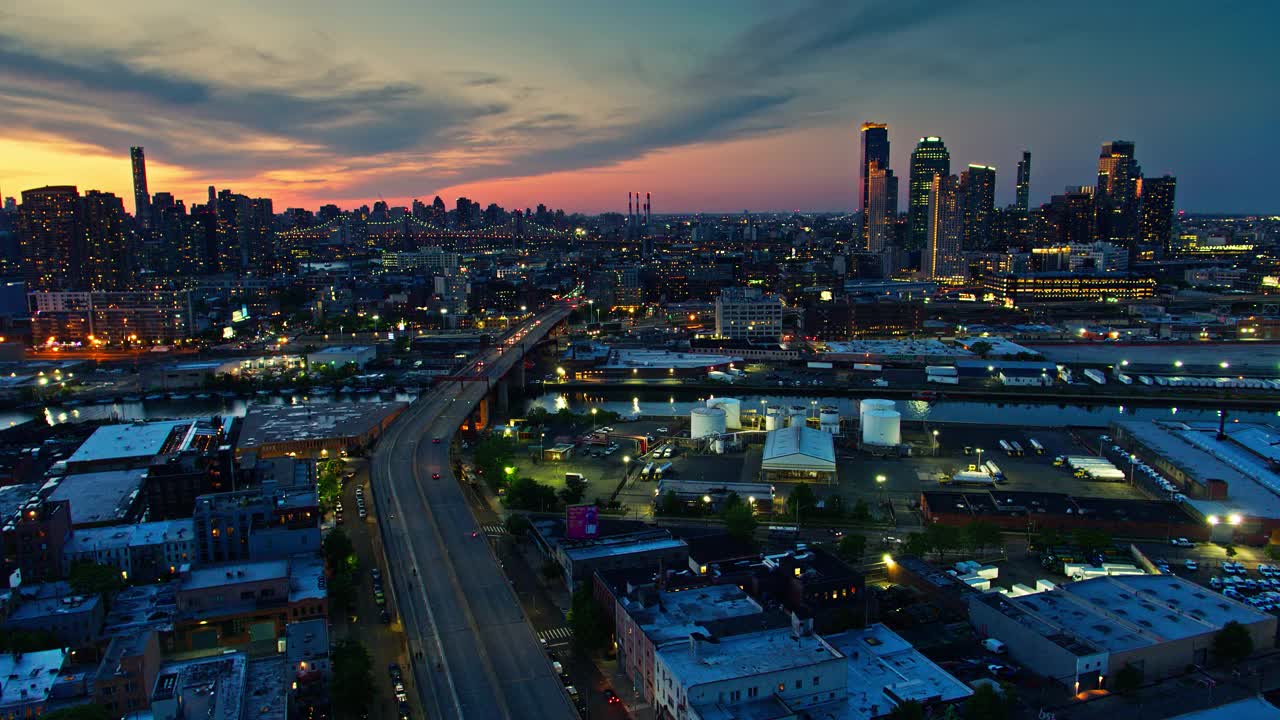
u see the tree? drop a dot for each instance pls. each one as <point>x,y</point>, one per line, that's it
<point>529,494</point>
<point>492,455</point>
<point>731,500</point>
<point>740,522</point>
<point>669,504</point>
<point>981,535</point>
<point>861,511</point>
<point>986,703</point>
<point>89,578</point>
<point>1093,541</point>
<point>801,497</point>
<point>342,593</point>
<point>575,486</point>
<point>352,683</point>
<point>981,348</point>
<point>917,544</point>
<point>338,550</point>
<point>586,619</point>
<point>518,525</point>
<point>943,538</point>
<point>1233,643</point>
<point>86,711</point>
<point>852,547</point>
<point>1126,680</point>
<point>908,710</point>
<point>329,482</point>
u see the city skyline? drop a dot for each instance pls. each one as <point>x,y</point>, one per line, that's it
<point>560,109</point>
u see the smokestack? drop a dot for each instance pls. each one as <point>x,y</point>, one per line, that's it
<point>648,199</point>
<point>628,205</point>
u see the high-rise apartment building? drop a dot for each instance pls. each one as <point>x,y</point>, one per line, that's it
<point>1022,196</point>
<point>1157,200</point>
<point>1116,196</point>
<point>141,198</point>
<point>746,313</point>
<point>978,198</point>
<point>944,229</point>
<point>880,213</point>
<point>51,237</point>
<point>107,258</point>
<point>930,158</point>
<point>875,151</point>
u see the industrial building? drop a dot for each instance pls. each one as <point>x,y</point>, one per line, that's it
<point>1082,633</point>
<point>137,444</point>
<point>313,430</point>
<point>109,497</point>
<point>618,544</point>
<point>341,355</point>
<point>1064,287</point>
<point>1023,511</point>
<point>798,454</point>
<point>1227,473</point>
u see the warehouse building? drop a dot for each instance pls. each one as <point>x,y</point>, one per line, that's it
<point>1082,633</point>
<point>799,454</point>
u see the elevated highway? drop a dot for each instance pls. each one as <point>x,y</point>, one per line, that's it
<point>475,656</point>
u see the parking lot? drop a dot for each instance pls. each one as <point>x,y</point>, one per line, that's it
<point>905,478</point>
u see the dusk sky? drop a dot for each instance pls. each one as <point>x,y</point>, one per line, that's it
<point>716,105</point>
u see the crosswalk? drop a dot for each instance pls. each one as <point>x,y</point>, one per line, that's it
<point>494,530</point>
<point>556,636</point>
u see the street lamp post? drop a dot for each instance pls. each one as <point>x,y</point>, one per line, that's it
<point>979,451</point>
<point>626,467</point>
<point>880,481</point>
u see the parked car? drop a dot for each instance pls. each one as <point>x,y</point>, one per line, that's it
<point>1191,565</point>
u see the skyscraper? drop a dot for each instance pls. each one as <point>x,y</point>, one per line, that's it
<point>879,215</point>
<point>107,259</point>
<point>978,199</point>
<point>875,149</point>
<point>52,238</point>
<point>1157,199</point>
<point>1116,196</point>
<point>944,228</point>
<point>928,159</point>
<point>1022,200</point>
<point>141,198</point>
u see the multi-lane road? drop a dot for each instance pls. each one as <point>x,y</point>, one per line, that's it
<point>475,656</point>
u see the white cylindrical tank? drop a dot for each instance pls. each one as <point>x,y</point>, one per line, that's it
<point>717,446</point>
<point>868,404</point>
<point>796,415</point>
<point>732,409</point>
<point>882,427</point>
<point>829,420</point>
<point>772,419</point>
<point>705,421</point>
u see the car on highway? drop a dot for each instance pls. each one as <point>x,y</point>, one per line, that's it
<point>435,441</point>
<point>612,698</point>
<point>435,476</point>
<point>404,711</point>
<point>394,671</point>
<point>1181,542</point>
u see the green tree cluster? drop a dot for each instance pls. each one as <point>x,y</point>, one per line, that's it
<point>351,687</point>
<point>587,620</point>
<point>339,555</point>
<point>329,482</point>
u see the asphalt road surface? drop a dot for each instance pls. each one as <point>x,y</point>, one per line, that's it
<point>479,657</point>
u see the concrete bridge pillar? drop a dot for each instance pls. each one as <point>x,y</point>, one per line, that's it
<point>503,400</point>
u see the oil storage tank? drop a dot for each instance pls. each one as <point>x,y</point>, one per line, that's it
<point>868,404</point>
<point>772,419</point>
<point>706,421</point>
<point>882,427</point>
<point>732,410</point>
<point>829,420</point>
<point>796,415</point>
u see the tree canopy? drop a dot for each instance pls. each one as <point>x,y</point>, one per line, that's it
<point>740,522</point>
<point>1233,643</point>
<point>352,684</point>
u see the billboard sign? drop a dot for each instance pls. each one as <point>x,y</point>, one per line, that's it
<point>582,521</point>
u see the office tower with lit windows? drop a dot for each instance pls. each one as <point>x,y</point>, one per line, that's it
<point>1115,197</point>
<point>880,214</point>
<point>930,158</point>
<point>1022,196</point>
<point>51,238</point>
<point>944,229</point>
<point>1157,201</point>
<point>107,256</point>
<point>875,150</point>
<point>141,198</point>
<point>978,198</point>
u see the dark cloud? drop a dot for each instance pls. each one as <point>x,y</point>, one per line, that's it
<point>334,111</point>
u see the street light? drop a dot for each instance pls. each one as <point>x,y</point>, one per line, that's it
<point>1234,519</point>
<point>979,451</point>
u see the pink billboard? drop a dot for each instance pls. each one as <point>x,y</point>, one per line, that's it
<point>582,521</point>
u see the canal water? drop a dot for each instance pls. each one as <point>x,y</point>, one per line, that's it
<point>943,411</point>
